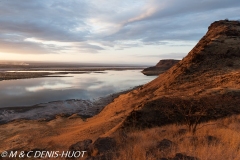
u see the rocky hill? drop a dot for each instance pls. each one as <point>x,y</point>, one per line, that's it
<point>216,54</point>
<point>210,73</point>
<point>207,78</point>
<point>160,67</point>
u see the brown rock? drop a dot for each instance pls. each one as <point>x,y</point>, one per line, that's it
<point>105,144</point>
<point>180,156</point>
<point>164,144</point>
<point>85,145</point>
<point>160,67</point>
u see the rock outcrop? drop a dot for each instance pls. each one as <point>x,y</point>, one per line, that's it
<point>160,67</point>
<point>217,55</point>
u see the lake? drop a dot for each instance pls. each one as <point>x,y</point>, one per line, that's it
<point>84,86</point>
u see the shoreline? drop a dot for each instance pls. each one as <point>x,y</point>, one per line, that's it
<point>9,74</point>
<point>63,108</point>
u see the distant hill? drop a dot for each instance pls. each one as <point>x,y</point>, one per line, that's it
<point>160,67</point>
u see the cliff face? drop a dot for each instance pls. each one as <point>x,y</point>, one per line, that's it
<point>166,63</point>
<point>160,67</point>
<point>218,49</point>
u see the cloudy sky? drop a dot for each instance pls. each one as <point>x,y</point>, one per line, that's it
<point>106,31</point>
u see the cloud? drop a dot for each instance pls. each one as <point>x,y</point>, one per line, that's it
<point>90,26</point>
<point>164,56</point>
<point>174,20</point>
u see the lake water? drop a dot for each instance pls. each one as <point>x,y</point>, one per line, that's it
<point>87,86</point>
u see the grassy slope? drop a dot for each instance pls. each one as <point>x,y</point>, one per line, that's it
<point>218,140</point>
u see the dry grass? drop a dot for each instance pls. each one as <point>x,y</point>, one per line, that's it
<point>219,140</point>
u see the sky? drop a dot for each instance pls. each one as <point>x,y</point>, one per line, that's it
<point>106,31</point>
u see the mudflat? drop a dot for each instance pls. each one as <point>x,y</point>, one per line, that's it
<point>10,72</point>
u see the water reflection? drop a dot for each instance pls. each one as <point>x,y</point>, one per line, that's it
<point>27,92</point>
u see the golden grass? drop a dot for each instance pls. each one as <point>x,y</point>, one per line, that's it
<point>214,140</point>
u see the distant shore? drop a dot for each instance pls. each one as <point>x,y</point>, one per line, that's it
<point>12,72</point>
